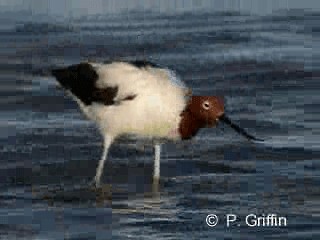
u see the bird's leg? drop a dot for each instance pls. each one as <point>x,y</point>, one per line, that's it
<point>106,144</point>
<point>156,167</point>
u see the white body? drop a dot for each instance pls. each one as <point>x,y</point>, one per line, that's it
<point>145,101</point>
<point>155,110</point>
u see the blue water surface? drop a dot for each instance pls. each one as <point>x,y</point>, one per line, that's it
<point>266,67</point>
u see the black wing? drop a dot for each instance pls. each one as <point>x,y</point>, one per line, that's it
<point>81,80</point>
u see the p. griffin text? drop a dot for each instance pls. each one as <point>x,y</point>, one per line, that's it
<point>253,220</point>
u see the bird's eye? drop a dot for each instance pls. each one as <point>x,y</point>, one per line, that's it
<point>206,105</point>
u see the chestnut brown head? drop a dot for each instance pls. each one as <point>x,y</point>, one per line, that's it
<point>206,109</point>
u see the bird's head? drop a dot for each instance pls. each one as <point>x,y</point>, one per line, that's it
<point>206,109</point>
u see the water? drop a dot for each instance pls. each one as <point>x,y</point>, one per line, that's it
<point>266,67</point>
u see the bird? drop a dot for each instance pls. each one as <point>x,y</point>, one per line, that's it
<point>143,99</point>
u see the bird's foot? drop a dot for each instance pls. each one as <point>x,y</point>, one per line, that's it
<point>155,183</point>
<point>95,183</point>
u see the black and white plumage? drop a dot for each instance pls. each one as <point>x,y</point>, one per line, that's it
<point>143,99</point>
<point>127,98</point>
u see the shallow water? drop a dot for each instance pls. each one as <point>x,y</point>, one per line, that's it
<point>266,67</point>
